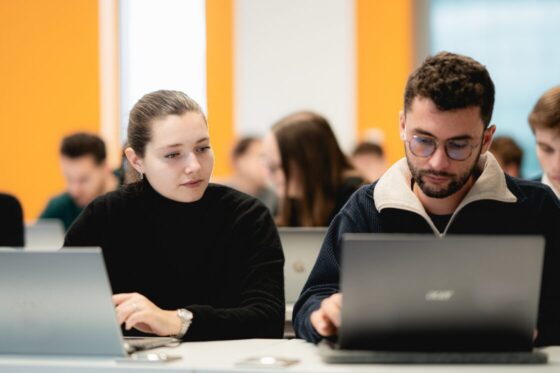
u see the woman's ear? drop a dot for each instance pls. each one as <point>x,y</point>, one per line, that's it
<point>134,160</point>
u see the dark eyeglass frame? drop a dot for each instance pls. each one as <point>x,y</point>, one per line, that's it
<point>435,144</point>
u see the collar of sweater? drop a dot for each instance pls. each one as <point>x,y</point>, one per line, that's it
<point>393,189</point>
<point>546,181</point>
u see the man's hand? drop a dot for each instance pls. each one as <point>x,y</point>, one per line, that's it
<point>326,320</point>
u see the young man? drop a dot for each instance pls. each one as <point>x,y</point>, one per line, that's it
<point>508,154</point>
<point>84,166</point>
<point>369,160</point>
<point>447,184</point>
<point>545,123</point>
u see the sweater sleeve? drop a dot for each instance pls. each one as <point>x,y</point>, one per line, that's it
<point>549,309</point>
<point>260,313</point>
<point>356,216</point>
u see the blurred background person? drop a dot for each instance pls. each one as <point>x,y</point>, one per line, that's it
<point>11,221</point>
<point>249,171</point>
<point>508,154</point>
<point>87,175</point>
<point>545,123</point>
<point>312,177</point>
<point>369,160</point>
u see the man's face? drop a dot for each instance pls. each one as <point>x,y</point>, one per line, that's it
<point>461,131</point>
<point>85,180</point>
<point>548,152</point>
<point>251,165</point>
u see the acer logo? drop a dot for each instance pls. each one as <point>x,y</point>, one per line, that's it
<point>439,295</point>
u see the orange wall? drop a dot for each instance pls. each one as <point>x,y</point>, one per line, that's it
<point>219,81</point>
<point>384,58</point>
<point>50,87</point>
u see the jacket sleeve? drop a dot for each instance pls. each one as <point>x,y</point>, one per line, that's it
<point>549,309</point>
<point>356,216</point>
<point>260,313</point>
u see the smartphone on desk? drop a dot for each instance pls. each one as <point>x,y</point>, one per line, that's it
<point>149,357</point>
<point>266,362</point>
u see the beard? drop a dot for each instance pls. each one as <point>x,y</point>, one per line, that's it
<point>456,183</point>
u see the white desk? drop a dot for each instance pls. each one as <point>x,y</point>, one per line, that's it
<point>221,357</point>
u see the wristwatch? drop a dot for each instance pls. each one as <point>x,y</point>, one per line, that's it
<point>186,317</point>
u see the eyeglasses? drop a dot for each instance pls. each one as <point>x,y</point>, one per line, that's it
<point>456,149</point>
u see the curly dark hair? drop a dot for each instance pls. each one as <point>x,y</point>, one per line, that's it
<point>452,81</point>
<point>82,144</point>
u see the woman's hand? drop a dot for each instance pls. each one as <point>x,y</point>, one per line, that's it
<point>137,311</point>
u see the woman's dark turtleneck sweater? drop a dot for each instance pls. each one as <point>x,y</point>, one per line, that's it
<point>219,257</point>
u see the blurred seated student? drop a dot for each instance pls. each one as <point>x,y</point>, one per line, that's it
<point>185,258</point>
<point>545,123</point>
<point>312,177</point>
<point>11,222</point>
<point>87,175</point>
<point>369,160</point>
<point>249,171</point>
<point>508,154</point>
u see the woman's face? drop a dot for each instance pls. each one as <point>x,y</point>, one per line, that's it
<point>275,173</point>
<point>178,160</point>
<point>274,164</point>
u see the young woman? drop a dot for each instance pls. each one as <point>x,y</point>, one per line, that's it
<point>312,176</point>
<point>185,258</point>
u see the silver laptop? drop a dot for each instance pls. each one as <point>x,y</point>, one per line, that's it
<point>44,234</point>
<point>301,247</point>
<point>419,293</point>
<point>59,303</point>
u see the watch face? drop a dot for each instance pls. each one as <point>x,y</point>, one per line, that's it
<point>185,315</point>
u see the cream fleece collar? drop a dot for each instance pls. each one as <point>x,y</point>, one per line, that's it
<point>546,181</point>
<point>393,189</point>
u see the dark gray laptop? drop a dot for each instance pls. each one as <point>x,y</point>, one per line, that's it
<point>416,295</point>
<point>59,303</point>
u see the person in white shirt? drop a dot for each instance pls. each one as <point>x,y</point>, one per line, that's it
<point>545,124</point>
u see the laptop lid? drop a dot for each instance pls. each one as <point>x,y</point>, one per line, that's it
<point>301,247</point>
<point>57,303</point>
<point>422,293</point>
<point>44,234</point>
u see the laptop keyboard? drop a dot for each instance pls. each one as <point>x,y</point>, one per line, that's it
<point>132,344</point>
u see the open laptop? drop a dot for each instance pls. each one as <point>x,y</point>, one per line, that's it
<point>422,299</point>
<point>301,247</point>
<point>44,234</point>
<point>59,303</point>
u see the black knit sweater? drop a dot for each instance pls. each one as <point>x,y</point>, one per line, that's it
<point>219,257</point>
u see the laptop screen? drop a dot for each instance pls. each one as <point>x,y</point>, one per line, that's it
<point>57,303</point>
<point>422,293</point>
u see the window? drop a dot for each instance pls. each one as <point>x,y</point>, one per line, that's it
<point>163,46</point>
<point>518,42</point>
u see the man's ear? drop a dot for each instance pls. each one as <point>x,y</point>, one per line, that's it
<point>402,119</point>
<point>134,160</point>
<point>487,138</point>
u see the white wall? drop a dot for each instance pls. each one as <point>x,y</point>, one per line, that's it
<point>163,46</point>
<point>292,55</point>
